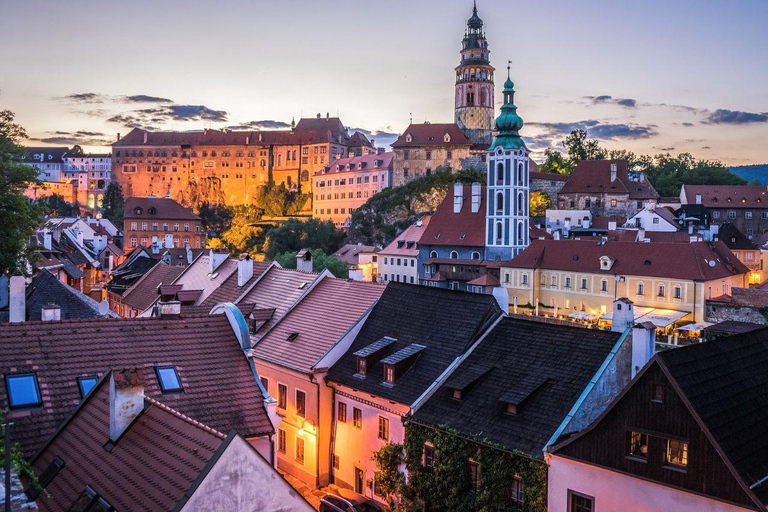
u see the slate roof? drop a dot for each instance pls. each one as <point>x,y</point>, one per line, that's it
<point>152,466</point>
<point>693,260</point>
<point>38,155</point>
<point>407,242</point>
<point>374,162</point>
<point>733,327</point>
<point>728,196</point>
<point>228,291</point>
<point>465,229</point>
<point>333,124</point>
<point>144,292</point>
<point>46,289</point>
<point>219,383</point>
<point>124,276</point>
<point>594,177</point>
<point>545,366</point>
<point>432,134</point>
<point>446,322</point>
<point>166,209</point>
<point>350,253</point>
<point>735,239</point>
<point>321,318</point>
<point>725,382</point>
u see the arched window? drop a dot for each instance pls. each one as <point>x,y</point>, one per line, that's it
<point>520,204</point>
<point>499,203</point>
<point>304,175</point>
<point>498,233</point>
<point>475,255</point>
<point>433,254</point>
<point>520,234</point>
<point>500,173</point>
<point>454,255</point>
<point>520,173</point>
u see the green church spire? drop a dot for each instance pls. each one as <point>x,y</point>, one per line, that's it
<point>508,124</point>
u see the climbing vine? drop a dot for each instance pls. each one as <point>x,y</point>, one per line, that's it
<point>389,478</point>
<point>446,486</point>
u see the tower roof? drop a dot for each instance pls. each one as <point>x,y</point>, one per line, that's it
<point>508,124</point>
<point>475,21</point>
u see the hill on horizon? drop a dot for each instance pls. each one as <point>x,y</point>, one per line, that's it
<point>752,172</point>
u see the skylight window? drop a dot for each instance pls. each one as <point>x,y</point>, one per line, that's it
<point>292,336</point>
<point>86,384</point>
<point>23,390</point>
<point>169,379</point>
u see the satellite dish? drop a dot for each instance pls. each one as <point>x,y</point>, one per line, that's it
<point>712,263</point>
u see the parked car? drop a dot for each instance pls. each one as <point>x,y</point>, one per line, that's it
<point>349,502</point>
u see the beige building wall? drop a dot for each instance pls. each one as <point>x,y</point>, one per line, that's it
<point>594,293</point>
<point>402,269</point>
<point>337,195</point>
<point>415,162</point>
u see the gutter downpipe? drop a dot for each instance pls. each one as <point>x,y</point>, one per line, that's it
<point>317,434</point>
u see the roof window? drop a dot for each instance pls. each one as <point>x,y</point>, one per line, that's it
<point>46,477</point>
<point>86,384</point>
<point>23,390</point>
<point>521,391</point>
<point>461,383</point>
<point>169,379</point>
<point>370,355</point>
<point>398,363</point>
<point>292,336</point>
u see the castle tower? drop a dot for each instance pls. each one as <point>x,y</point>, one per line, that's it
<point>474,84</point>
<point>507,216</point>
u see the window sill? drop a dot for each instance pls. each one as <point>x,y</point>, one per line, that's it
<point>676,469</point>
<point>635,458</point>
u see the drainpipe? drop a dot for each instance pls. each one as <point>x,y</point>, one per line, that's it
<point>332,444</point>
<point>694,302</point>
<point>317,431</point>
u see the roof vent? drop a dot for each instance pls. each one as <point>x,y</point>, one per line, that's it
<point>292,336</point>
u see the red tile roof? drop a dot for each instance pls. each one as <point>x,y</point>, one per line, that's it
<point>432,134</point>
<point>727,196</point>
<point>321,318</point>
<point>152,466</point>
<point>167,209</point>
<point>535,233</point>
<point>594,177</point>
<point>350,253</point>
<point>601,222</point>
<point>701,261</point>
<point>229,291</point>
<point>144,292</point>
<point>370,163</point>
<point>219,384</point>
<point>223,138</point>
<point>407,242</point>
<point>484,280</point>
<point>464,229</point>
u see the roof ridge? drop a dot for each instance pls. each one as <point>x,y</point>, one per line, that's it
<point>187,419</point>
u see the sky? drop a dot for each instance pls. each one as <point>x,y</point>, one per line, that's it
<point>650,76</point>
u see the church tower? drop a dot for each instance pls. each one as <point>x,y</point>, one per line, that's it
<point>507,216</point>
<point>474,84</point>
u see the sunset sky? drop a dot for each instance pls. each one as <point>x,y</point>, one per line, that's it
<point>651,76</point>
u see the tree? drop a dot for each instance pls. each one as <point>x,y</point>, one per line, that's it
<point>278,201</point>
<point>76,150</point>
<point>113,204</point>
<point>580,148</point>
<point>556,163</point>
<point>20,216</point>
<point>19,463</point>
<point>540,202</point>
<point>389,480</point>
<point>296,234</point>
<point>320,261</point>
<point>55,205</point>
<point>243,234</point>
<point>215,218</point>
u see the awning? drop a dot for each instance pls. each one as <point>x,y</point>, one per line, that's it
<point>695,327</point>
<point>657,316</point>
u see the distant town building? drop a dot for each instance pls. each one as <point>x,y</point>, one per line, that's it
<point>228,165</point>
<point>399,260</point>
<point>744,206</point>
<point>347,183</point>
<point>150,219</point>
<point>362,261</point>
<point>424,148</point>
<point>605,188</point>
<point>92,172</point>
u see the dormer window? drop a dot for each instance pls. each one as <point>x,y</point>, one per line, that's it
<point>389,373</point>
<point>137,210</point>
<point>408,137</point>
<point>361,366</point>
<point>606,262</point>
<point>400,362</point>
<point>370,355</point>
<point>152,211</point>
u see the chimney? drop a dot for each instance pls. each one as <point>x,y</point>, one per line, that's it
<point>327,116</point>
<point>189,253</point>
<point>643,345</point>
<point>318,115</point>
<point>642,177</point>
<point>585,223</point>
<point>79,235</point>
<point>50,311</point>
<point>641,235</point>
<point>168,241</point>
<point>118,136</point>
<point>611,225</point>
<point>169,309</point>
<point>476,197</point>
<point>698,198</point>
<point>244,270</point>
<point>214,260</point>
<point>17,299</point>
<point>247,139</point>
<point>419,223</point>
<point>458,197</point>
<point>690,228</point>
<point>126,399</point>
<point>304,261</point>
<point>614,171</point>
<point>145,137</point>
<point>47,242</point>
<point>623,315</point>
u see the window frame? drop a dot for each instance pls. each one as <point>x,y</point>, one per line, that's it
<point>282,398</point>
<point>282,441</point>
<point>341,412</point>
<point>357,418</point>
<point>80,381</point>
<point>301,412</point>
<point>161,381</point>
<point>668,463</point>
<point>574,494</point>
<point>383,429</point>
<point>30,405</point>
<point>301,460</point>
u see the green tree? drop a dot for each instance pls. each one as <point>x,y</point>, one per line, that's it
<point>320,261</point>
<point>113,204</point>
<point>556,163</point>
<point>55,205</point>
<point>580,148</point>
<point>76,150</point>
<point>243,234</point>
<point>20,216</point>
<point>540,202</point>
<point>18,462</point>
<point>297,234</point>
<point>278,201</point>
<point>389,479</point>
<point>215,218</point>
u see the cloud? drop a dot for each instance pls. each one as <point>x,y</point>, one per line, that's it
<point>383,138</point>
<point>723,116</point>
<point>83,138</point>
<point>84,97</point>
<point>606,98</point>
<point>265,124</point>
<point>688,125</point>
<point>143,98</point>
<point>597,129</point>
<point>147,118</point>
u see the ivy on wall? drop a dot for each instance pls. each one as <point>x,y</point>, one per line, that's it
<point>447,485</point>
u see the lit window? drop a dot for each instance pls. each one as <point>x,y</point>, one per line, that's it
<point>383,428</point>
<point>169,379</point>
<point>23,390</point>
<point>613,203</point>
<point>389,372</point>
<point>281,444</point>
<point>86,384</point>
<point>342,414</point>
<point>357,417</point>
<point>638,445</point>
<point>677,453</point>
<point>282,391</point>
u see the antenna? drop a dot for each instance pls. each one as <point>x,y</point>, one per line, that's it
<point>509,67</point>
<point>411,114</point>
